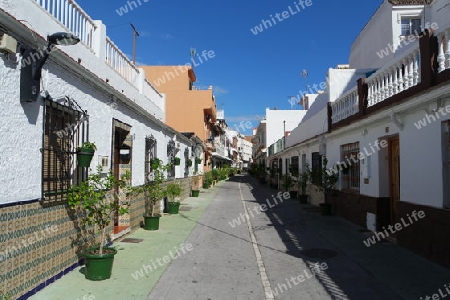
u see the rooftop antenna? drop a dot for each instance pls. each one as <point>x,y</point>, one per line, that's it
<point>304,74</point>
<point>135,34</point>
<point>193,53</point>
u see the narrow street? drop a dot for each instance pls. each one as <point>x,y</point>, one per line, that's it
<point>289,251</point>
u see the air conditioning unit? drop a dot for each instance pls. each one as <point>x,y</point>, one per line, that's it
<point>8,44</point>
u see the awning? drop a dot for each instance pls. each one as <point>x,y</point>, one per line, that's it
<point>216,155</point>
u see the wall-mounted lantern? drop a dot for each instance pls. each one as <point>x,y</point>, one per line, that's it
<point>32,62</point>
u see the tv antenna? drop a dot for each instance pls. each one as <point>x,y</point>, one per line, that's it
<point>135,34</point>
<point>304,74</point>
<point>193,54</point>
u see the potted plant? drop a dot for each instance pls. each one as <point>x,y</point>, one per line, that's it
<point>97,201</point>
<point>198,160</point>
<point>155,163</point>
<point>262,174</point>
<point>302,182</point>
<point>85,154</point>
<point>195,190</point>
<point>326,185</point>
<point>176,161</point>
<point>189,162</point>
<point>154,192</point>
<point>173,192</point>
<point>287,184</point>
<point>273,177</point>
<point>207,180</point>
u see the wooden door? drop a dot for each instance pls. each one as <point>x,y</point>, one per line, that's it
<point>394,175</point>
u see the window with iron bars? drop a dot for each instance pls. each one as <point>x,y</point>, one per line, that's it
<point>171,159</point>
<point>350,167</point>
<point>186,166</point>
<point>150,153</point>
<point>316,168</point>
<point>64,130</point>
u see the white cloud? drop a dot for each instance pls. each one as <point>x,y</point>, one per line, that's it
<point>219,90</point>
<point>166,36</point>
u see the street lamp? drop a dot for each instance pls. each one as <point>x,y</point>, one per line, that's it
<point>33,60</point>
<point>284,135</point>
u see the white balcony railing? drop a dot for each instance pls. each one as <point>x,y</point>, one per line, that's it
<point>72,16</point>
<point>444,50</point>
<point>346,106</point>
<point>116,59</point>
<point>93,34</point>
<point>400,75</point>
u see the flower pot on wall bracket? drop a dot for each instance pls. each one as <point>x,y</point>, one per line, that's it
<point>176,161</point>
<point>84,156</point>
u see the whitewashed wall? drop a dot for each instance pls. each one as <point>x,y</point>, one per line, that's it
<point>21,124</point>
<point>439,12</point>
<point>91,59</point>
<point>373,37</point>
<point>382,30</point>
<point>274,121</point>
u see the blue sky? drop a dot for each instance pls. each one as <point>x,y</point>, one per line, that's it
<point>249,72</point>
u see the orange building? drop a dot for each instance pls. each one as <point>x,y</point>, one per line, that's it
<point>187,109</point>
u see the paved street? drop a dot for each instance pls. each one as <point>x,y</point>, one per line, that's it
<point>289,252</point>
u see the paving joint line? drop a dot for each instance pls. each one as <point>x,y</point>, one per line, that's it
<point>262,270</point>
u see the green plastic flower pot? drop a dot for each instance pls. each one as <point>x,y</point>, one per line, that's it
<point>84,157</point>
<point>99,267</point>
<point>151,223</point>
<point>195,193</point>
<point>173,207</point>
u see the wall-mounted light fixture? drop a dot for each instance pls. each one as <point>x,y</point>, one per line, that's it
<point>33,60</point>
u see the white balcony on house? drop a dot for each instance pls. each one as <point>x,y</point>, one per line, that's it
<point>96,53</point>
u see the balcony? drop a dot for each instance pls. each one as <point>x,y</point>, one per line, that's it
<point>405,76</point>
<point>130,79</point>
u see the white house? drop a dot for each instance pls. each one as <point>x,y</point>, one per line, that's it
<point>387,123</point>
<point>245,147</point>
<point>54,98</point>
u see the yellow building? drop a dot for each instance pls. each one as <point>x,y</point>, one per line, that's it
<point>187,109</point>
